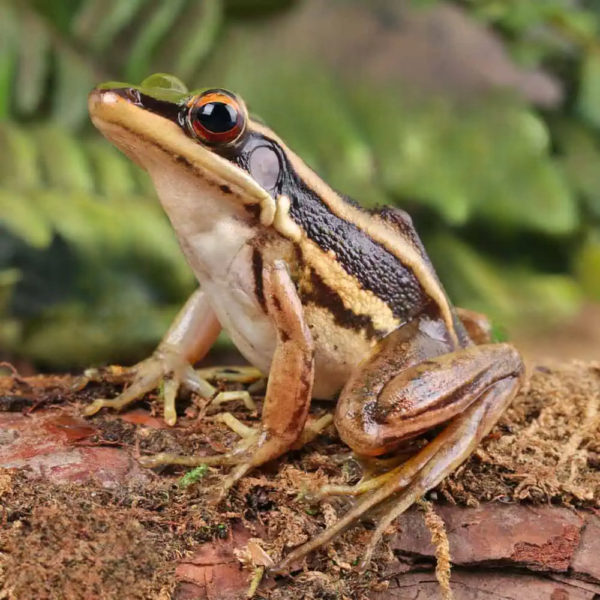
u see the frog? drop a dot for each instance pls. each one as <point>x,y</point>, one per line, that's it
<point>332,300</point>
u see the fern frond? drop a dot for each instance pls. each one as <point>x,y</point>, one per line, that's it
<point>51,57</point>
<point>80,210</point>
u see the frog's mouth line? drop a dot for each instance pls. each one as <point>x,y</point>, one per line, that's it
<point>131,126</point>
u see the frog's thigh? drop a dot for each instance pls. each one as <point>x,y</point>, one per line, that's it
<point>382,406</point>
<point>379,407</point>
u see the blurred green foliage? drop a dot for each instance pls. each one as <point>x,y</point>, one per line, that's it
<point>506,197</point>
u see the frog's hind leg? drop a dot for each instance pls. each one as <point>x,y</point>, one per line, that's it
<point>421,473</point>
<point>449,450</point>
<point>469,388</point>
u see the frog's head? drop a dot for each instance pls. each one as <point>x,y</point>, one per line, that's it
<point>198,147</point>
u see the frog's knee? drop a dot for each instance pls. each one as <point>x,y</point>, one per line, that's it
<point>364,436</point>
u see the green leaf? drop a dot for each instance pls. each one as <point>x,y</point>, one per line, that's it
<point>58,13</point>
<point>150,244</point>
<point>79,335</point>
<point>10,329</point>
<point>83,224</point>
<point>21,217</point>
<point>8,279</point>
<point>471,280</point>
<point>66,166</point>
<point>587,265</point>
<point>521,186</point>
<point>580,160</point>
<point>537,197</point>
<point>155,28</point>
<point>194,40</point>
<point>112,170</point>
<point>193,476</point>
<point>75,78</point>
<point>415,151</point>
<point>510,294</point>
<point>79,210</point>
<point>34,57</point>
<point>588,101</point>
<point>100,21</point>
<point>9,36</point>
<point>19,160</point>
<point>548,299</point>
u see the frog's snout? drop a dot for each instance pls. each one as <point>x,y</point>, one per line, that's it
<point>100,99</point>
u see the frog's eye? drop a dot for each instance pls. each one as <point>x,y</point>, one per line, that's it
<point>216,117</point>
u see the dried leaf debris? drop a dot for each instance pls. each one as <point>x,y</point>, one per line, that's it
<point>80,519</point>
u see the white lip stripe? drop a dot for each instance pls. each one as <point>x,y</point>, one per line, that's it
<point>110,110</point>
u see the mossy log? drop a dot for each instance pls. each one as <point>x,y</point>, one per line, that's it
<point>79,518</point>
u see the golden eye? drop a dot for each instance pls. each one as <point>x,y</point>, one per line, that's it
<point>216,117</point>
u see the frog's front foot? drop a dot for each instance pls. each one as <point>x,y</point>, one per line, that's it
<point>254,449</point>
<point>167,370</point>
<point>242,458</point>
<point>187,341</point>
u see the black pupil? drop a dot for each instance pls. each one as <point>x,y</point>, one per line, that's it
<point>217,117</point>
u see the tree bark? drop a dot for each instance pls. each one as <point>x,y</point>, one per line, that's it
<point>499,550</point>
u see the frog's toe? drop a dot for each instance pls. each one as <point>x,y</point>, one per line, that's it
<point>113,372</point>
<point>166,370</point>
<point>143,382</point>
<point>375,473</point>
<point>235,374</point>
<point>235,425</point>
<point>233,396</point>
<point>164,458</point>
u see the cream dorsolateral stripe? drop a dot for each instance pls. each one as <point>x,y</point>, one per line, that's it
<point>394,244</point>
<point>353,296</point>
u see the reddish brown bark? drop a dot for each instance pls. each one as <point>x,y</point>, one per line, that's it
<point>499,550</point>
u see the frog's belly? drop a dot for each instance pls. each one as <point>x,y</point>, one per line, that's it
<point>338,351</point>
<point>255,336</point>
<point>248,327</point>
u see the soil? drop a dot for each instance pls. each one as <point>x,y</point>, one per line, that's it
<point>80,519</point>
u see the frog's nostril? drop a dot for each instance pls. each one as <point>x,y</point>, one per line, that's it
<point>100,99</point>
<point>131,94</point>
